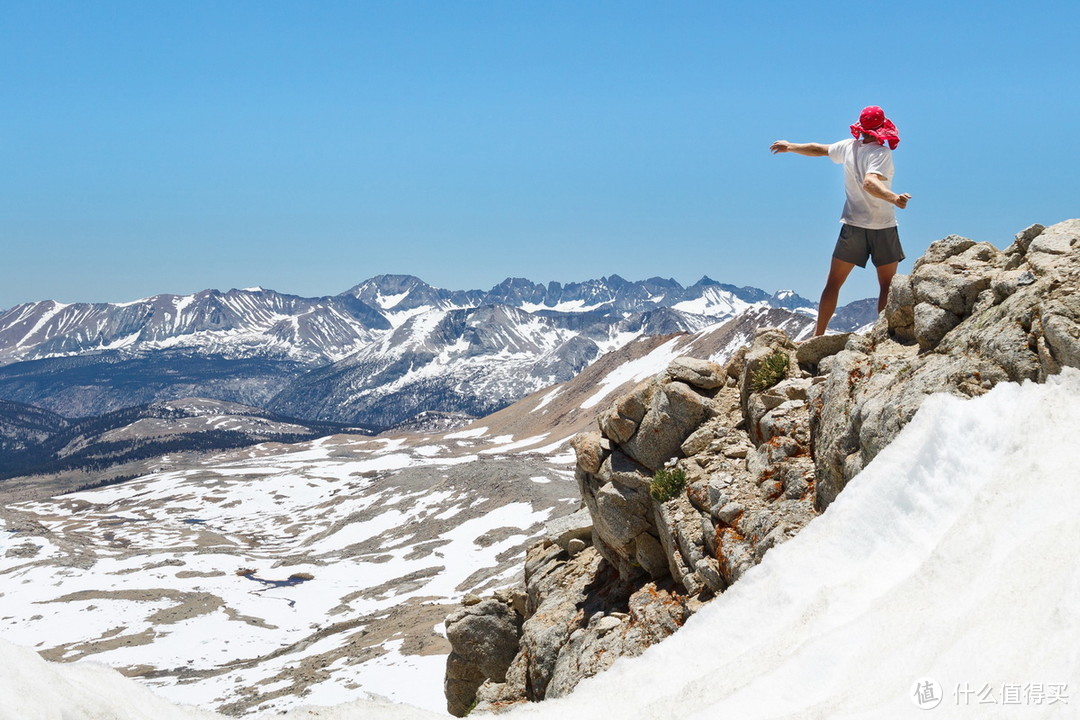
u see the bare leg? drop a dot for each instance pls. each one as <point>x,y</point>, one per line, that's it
<point>838,273</point>
<point>884,277</point>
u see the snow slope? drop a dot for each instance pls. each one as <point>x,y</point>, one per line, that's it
<point>949,559</point>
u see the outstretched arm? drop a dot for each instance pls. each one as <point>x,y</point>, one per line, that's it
<point>808,149</point>
<point>872,184</point>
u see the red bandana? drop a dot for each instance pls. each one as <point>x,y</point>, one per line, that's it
<point>872,122</point>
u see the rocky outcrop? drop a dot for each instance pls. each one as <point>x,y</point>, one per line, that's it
<point>628,569</point>
<point>968,317</point>
<point>762,445</point>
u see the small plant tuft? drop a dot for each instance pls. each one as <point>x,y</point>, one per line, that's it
<point>772,370</point>
<point>667,483</point>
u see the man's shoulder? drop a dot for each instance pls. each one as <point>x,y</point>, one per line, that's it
<point>838,150</point>
<point>878,155</point>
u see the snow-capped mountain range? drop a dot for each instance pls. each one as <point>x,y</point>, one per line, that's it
<point>478,360</point>
<point>238,323</point>
<point>378,354</point>
<point>256,321</point>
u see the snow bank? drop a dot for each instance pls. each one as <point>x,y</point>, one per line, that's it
<point>951,558</point>
<point>32,689</point>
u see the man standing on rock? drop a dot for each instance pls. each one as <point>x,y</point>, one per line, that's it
<point>869,221</point>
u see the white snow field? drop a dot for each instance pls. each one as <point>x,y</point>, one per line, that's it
<point>283,576</point>
<point>944,574</point>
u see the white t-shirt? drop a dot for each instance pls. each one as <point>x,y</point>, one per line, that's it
<point>858,158</point>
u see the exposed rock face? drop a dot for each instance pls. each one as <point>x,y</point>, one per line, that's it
<point>764,444</point>
<point>627,570</point>
<point>967,318</point>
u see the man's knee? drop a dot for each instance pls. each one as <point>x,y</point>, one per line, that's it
<point>833,284</point>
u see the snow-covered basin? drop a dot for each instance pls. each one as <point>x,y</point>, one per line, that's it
<point>944,573</point>
<point>164,590</point>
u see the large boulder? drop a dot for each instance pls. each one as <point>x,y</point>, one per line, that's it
<point>484,638</point>
<point>620,517</point>
<point>620,421</point>
<point>697,373</point>
<point>562,531</point>
<point>811,352</point>
<point>675,410</point>
<point>591,448</point>
<point>946,284</point>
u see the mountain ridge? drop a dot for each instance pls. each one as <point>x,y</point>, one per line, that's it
<point>341,358</point>
<point>317,330</point>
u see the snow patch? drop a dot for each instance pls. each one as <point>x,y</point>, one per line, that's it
<point>635,371</point>
<point>548,397</point>
<point>507,447</point>
<point>467,434</point>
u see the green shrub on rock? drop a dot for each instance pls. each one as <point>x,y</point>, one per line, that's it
<point>667,484</point>
<point>772,370</point>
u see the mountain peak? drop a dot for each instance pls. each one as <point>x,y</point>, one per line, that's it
<point>387,284</point>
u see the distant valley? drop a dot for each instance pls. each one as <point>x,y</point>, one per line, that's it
<point>53,454</point>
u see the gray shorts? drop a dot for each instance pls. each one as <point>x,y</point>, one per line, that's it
<point>856,244</point>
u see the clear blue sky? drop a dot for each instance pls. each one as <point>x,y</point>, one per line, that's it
<point>150,147</point>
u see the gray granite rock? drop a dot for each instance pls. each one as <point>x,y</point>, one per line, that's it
<point>1024,238</point>
<point>675,411</point>
<point>650,556</point>
<point>588,446</point>
<point>900,309</point>
<point>620,517</point>
<point>813,351</point>
<point>621,469</point>
<point>575,526</point>
<point>932,323</point>
<point>941,250</point>
<point>484,638</point>
<point>698,373</point>
<point>620,421</point>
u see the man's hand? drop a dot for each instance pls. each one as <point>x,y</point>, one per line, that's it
<point>807,149</point>
<point>875,185</point>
